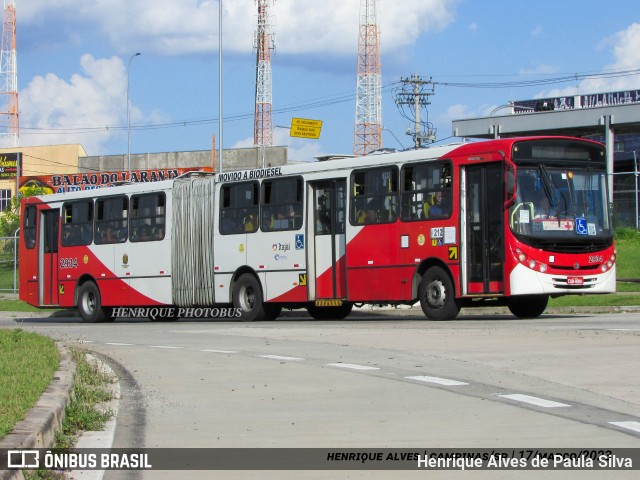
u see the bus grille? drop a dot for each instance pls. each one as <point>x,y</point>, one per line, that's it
<point>557,246</point>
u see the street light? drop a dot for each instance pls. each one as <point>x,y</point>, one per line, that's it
<point>129,117</point>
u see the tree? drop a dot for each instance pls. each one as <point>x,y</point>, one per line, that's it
<point>10,218</point>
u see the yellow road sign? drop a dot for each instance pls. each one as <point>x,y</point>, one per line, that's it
<point>305,128</point>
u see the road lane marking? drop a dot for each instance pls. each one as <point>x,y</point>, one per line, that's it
<point>352,366</point>
<point>437,380</point>
<point>540,402</point>
<point>280,357</point>
<point>168,347</point>
<point>120,344</point>
<point>219,351</point>
<point>635,426</point>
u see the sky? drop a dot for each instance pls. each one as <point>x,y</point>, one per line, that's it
<point>73,57</point>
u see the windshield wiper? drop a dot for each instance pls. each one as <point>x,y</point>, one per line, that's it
<point>549,189</point>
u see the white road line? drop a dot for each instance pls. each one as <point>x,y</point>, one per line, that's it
<point>119,344</point>
<point>280,357</point>
<point>635,426</point>
<point>540,402</point>
<point>168,347</point>
<point>440,381</point>
<point>219,351</point>
<point>351,366</point>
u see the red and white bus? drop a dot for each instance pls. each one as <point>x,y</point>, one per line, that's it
<point>448,227</point>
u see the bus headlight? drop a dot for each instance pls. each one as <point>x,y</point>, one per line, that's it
<point>532,264</point>
<point>609,264</point>
<point>603,268</point>
<point>543,268</point>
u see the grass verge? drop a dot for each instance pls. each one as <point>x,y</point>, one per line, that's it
<point>83,412</point>
<point>27,364</point>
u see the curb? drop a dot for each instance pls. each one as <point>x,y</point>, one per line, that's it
<point>38,428</point>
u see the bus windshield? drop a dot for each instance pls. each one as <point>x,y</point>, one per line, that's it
<point>560,202</point>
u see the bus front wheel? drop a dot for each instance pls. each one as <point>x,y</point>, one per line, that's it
<point>247,296</point>
<point>528,306</point>
<point>90,304</point>
<point>437,296</point>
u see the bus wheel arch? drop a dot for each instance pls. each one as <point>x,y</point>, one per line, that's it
<point>434,287</point>
<point>247,295</point>
<point>88,300</point>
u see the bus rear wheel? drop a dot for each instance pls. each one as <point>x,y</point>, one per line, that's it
<point>437,296</point>
<point>247,296</point>
<point>528,306</point>
<point>90,304</point>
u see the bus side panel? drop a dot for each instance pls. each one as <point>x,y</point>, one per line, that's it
<point>278,254</point>
<point>373,270</point>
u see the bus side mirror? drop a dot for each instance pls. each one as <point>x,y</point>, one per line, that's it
<point>509,185</point>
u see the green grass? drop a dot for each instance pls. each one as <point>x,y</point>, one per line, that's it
<point>27,364</point>
<point>628,248</point>
<point>81,413</point>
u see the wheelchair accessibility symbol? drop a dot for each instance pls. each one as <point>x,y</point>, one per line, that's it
<point>300,241</point>
<point>581,226</point>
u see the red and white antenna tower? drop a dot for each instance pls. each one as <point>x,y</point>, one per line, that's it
<point>9,73</point>
<point>264,42</point>
<point>368,128</point>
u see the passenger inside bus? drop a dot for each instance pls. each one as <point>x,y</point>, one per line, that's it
<point>437,206</point>
<point>543,209</point>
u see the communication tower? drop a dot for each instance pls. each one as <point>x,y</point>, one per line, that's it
<point>368,125</point>
<point>9,74</point>
<point>264,43</point>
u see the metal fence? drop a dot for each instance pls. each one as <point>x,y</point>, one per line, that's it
<point>9,264</point>
<point>625,200</point>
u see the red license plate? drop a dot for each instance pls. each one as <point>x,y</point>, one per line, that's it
<point>575,281</point>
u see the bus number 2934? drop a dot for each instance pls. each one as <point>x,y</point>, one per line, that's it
<point>69,262</point>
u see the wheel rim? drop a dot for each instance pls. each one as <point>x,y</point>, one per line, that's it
<point>89,302</point>
<point>247,298</point>
<point>436,294</point>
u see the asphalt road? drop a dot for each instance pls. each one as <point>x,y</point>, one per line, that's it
<point>389,379</point>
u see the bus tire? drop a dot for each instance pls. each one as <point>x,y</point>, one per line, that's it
<point>247,296</point>
<point>528,306</point>
<point>330,313</point>
<point>272,311</point>
<point>437,296</point>
<point>90,304</point>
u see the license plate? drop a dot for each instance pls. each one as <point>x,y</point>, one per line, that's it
<point>575,281</point>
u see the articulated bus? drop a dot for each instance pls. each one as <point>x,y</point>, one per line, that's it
<point>507,222</point>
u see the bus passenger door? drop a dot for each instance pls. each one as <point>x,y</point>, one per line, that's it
<point>326,232</point>
<point>48,257</point>
<point>483,236</point>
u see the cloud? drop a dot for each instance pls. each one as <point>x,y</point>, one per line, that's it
<point>625,46</point>
<point>78,110</point>
<point>178,27</point>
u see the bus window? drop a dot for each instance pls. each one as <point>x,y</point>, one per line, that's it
<point>281,204</point>
<point>29,226</point>
<point>426,191</point>
<point>77,223</point>
<point>239,208</point>
<point>111,220</point>
<point>374,197</point>
<point>147,222</point>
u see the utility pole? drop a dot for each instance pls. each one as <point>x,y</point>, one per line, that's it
<point>411,98</point>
